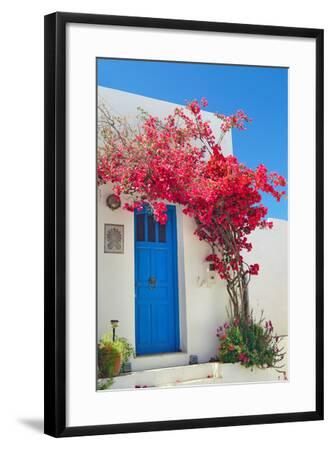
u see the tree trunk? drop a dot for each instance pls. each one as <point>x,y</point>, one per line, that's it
<point>245,303</point>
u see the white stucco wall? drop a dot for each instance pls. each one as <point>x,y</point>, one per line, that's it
<point>202,308</point>
<point>269,290</point>
<point>125,104</point>
<point>115,272</point>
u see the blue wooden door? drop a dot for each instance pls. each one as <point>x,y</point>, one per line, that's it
<point>156,284</point>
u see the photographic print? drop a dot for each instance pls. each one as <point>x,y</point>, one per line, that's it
<point>194,158</point>
<point>203,199</point>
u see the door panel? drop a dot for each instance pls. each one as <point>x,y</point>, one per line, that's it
<point>144,264</point>
<point>160,315</point>
<point>144,316</point>
<point>156,289</point>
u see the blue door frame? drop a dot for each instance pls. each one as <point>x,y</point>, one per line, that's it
<point>156,284</point>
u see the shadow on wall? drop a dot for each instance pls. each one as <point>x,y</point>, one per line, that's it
<point>34,424</point>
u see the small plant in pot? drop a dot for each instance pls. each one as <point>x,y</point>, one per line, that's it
<point>109,358</point>
<point>114,355</point>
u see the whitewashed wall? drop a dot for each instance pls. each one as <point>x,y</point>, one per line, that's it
<point>269,290</point>
<point>202,308</point>
<point>125,104</point>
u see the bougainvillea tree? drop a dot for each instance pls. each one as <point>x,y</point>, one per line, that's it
<point>179,159</point>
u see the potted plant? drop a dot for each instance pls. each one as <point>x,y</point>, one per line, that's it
<point>113,355</point>
<point>109,357</point>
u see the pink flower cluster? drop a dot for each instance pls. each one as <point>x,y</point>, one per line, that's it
<point>238,121</point>
<point>244,358</point>
<point>269,326</point>
<point>253,269</point>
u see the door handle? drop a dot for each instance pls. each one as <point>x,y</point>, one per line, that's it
<point>152,282</point>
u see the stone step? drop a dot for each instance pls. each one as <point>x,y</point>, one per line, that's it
<point>198,374</point>
<point>159,361</point>
<point>198,382</point>
<point>167,376</point>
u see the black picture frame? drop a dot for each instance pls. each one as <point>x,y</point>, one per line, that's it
<point>55,223</point>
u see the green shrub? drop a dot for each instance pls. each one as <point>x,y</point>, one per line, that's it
<point>126,349</point>
<point>249,342</point>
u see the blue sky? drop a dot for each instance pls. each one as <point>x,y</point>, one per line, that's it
<point>261,92</point>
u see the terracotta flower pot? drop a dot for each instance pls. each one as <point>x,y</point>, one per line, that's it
<point>109,361</point>
<point>117,365</point>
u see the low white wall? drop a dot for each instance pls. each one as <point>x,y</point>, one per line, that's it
<point>200,375</point>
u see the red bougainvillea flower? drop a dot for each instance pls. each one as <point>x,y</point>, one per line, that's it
<point>204,102</point>
<point>253,269</point>
<point>194,107</point>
